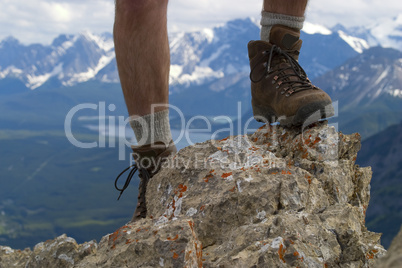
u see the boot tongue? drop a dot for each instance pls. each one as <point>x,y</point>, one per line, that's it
<point>284,37</point>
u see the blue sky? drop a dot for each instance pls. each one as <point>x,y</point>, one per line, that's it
<point>41,20</point>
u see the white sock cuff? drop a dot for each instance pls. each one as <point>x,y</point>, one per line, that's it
<point>270,19</point>
<point>152,127</point>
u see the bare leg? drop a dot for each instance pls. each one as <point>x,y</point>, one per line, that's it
<point>286,7</point>
<point>142,53</point>
<point>143,61</point>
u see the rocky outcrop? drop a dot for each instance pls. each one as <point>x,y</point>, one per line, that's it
<point>393,258</point>
<point>277,198</point>
<point>61,252</point>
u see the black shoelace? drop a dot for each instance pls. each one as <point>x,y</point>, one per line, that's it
<point>134,169</point>
<point>302,83</point>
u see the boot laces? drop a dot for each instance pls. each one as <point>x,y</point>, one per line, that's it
<point>144,176</point>
<point>302,83</point>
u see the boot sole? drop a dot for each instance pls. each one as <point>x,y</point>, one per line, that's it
<point>306,115</point>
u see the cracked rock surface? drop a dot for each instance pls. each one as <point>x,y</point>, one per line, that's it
<point>277,198</point>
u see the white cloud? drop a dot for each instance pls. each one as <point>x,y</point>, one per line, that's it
<point>42,20</point>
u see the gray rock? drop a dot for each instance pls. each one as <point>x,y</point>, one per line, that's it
<point>61,252</point>
<point>277,198</point>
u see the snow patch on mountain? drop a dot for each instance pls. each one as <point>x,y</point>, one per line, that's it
<point>358,44</point>
<point>396,93</point>
<point>214,56</point>
<point>311,28</point>
<point>37,81</point>
<point>91,72</point>
<point>102,41</point>
<point>198,77</point>
<point>11,71</point>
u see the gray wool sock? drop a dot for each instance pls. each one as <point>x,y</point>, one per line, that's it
<point>151,128</point>
<point>270,19</point>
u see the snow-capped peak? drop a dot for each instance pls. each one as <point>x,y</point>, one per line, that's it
<point>103,42</point>
<point>311,28</point>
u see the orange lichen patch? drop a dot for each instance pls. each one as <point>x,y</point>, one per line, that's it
<point>281,252</point>
<point>255,139</point>
<point>225,175</point>
<point>202,207</point>
<point>364,210</point>
<point>233,189</point>
<point>297,254</point>
<point>182,188</point>
<point>317,140</point>
<point>191,225</point>
<point>212,171</point>
<point>155,232</point>
<point>308,177</point>
<point>224,139</point>
<point>354,158</point>
<point>284,172</point>
<point>325,265</point>
<point>175,255</point>
<point>174,238</point>
<point>129,241</point>
<point>114,236</point>
<point>138,230</point>
<point>291,241</point>
<point>370,255</point>
<point>219,148</point>
<point>209,176</point>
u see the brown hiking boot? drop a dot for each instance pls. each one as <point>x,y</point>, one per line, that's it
<point>148,161</point>
<point>280,88</point>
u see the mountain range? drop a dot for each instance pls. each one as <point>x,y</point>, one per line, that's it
<point>208,66</point>
<point>196,57</point>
